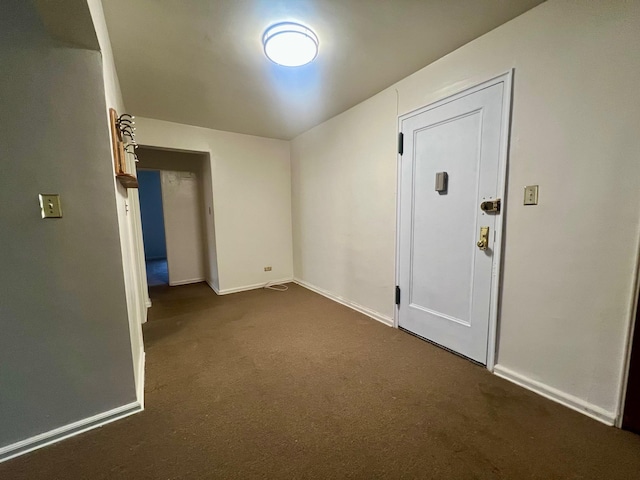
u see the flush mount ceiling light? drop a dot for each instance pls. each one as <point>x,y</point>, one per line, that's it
<point>290,44</point>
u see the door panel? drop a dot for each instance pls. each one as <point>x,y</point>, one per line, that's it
<point>443,225</point>
<point>447,277</point>
<point>183,227</point>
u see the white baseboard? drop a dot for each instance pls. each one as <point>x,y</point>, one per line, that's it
<point>140,386</point>
<point>212,286</point>
<point>146,310</point>
<point>67,431</point>
<point>347,303</point>
<point>186,282</point>
<point>227,291</point>
<point>566,399</point>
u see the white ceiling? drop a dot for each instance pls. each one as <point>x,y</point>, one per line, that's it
<point>200,62</point>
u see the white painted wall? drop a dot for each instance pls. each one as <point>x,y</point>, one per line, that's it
<point>128,209</point>
<point>569,262</point>
<point>182,206</point>
<point>65,352</point>
<point>343,187</point>
<point>251,180</point>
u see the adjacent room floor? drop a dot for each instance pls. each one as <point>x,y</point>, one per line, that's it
<point>267,384</point>
<point>157,272</point>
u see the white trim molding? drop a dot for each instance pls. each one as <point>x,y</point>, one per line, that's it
<point>212,286</point>
<point>563,398</point>
<point>141,376</point>
<point>67,431</point>
<point>388,321</point>
<point>186,282</point>
<point>255,286</point>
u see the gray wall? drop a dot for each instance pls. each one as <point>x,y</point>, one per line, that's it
<point>65,351</point>
<point>150,190</point>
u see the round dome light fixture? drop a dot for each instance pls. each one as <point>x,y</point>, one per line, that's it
<point>290,44</point>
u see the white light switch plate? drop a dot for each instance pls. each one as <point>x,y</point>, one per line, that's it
<point>50,205</point>
<point>531,195</point>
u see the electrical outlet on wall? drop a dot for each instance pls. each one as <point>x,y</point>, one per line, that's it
<point>267,269</point>
<point>531,195</point>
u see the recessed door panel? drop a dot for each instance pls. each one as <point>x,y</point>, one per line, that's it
<point>443,224</point>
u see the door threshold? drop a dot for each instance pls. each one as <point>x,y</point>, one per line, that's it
<point>475,362</point>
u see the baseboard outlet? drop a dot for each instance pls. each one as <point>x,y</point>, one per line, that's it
<point>186,282</point>
<point>347,303</point>
<point>67,431</point>
<point>227,291</point>
<point>563,398</point>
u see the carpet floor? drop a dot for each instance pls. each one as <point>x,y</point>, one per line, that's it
<point>157,272</point>
<point>266,384</point>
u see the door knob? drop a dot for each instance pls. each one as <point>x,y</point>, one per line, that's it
<point>483,243</point>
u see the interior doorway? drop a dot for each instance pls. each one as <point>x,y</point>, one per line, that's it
<point>153,234</point>
<point>176,201</point>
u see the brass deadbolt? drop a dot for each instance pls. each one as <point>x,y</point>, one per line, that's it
<point>491,206</point>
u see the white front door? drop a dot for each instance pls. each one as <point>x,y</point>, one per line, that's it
<point>445,277</point>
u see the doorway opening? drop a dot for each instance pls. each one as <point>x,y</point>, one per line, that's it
<point>152,216</point>
<point>176,203</point>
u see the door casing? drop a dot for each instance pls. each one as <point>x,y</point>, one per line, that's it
<point>507,79</point>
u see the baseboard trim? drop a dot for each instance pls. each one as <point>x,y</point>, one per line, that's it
<point>186,282</point>
<point>347,303</point>
<point>67,431</point>
<point>212,286</point>
<point>558,396</point>
<point>140,389</point>
<point>227,291</point>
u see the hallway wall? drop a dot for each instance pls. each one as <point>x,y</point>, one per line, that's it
<point>127,207</point>
<point>65,351</point>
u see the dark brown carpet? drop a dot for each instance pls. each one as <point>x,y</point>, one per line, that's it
<point>266,384</point>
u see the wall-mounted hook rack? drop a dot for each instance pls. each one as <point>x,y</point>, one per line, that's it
<point>120,126</point>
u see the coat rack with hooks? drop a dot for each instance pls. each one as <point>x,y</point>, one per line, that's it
<point>123,141</point>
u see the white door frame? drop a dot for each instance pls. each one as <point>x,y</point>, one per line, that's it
<point>507,79</point>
